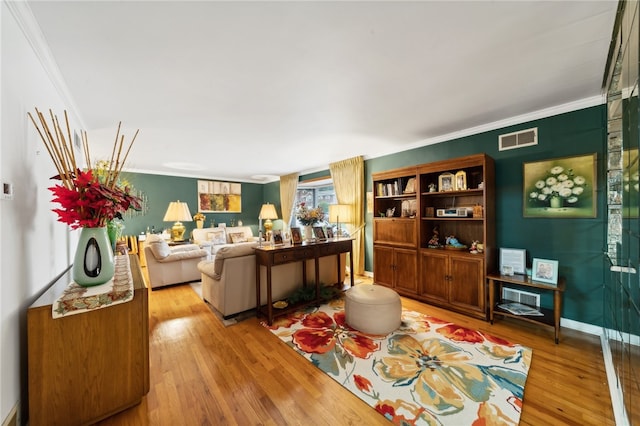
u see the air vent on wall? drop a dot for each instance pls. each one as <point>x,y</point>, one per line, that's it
<point>518,139</point>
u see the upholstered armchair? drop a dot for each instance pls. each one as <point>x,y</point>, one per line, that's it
<point>172,264</point>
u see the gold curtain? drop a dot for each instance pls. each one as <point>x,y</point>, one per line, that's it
<point>348,182</point>
<point>288,188</point>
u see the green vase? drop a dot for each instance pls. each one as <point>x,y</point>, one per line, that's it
<point>555,202</point>
<point>93,262</point>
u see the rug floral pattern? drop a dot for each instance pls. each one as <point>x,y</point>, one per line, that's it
<point>428,372</point>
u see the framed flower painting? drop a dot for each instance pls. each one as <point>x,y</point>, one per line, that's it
<point>560,188</point>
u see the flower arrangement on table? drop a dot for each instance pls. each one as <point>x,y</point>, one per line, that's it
<point>92,197</point>
<point>559,183</point>
<point>307,216</point>
<point>199,216</point>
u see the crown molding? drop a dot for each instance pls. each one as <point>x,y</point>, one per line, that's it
<point>32,32</point>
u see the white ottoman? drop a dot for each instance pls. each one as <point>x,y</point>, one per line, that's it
<point>373,309</point>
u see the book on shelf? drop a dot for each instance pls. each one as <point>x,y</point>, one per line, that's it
<point>516,308</point>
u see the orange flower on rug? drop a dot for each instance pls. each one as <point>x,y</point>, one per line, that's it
<point>428,372</point>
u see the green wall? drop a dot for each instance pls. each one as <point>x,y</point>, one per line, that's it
<point>161,190</point>
<point>578,244</point>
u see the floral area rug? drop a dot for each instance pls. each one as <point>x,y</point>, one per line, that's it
<point>428,372</point>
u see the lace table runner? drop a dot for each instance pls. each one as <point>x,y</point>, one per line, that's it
<point>77,299</point>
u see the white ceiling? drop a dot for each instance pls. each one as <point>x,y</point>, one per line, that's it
<point>249,91</point>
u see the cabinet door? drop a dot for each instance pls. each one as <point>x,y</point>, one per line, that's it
<point>406,271</point>
<point>434,284</point>
<point>383,265</point>
<point>467,289</point>
<point>399,232</point>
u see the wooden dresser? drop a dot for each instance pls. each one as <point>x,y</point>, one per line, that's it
<point>88,366</point>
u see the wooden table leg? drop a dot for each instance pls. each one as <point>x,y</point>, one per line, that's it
<point>258,312</point>
<point>557,309</point>
<point>492,298</point>
<point>269,301</point>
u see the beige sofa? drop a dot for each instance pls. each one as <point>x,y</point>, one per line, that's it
<point>168,265</point>
<point>217,238</point>
<point>229,280</point>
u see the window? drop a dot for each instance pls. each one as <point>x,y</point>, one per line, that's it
<point>314,194</point>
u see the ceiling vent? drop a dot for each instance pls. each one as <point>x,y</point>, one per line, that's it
<point>518,139</point>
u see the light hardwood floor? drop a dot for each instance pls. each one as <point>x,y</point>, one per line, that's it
<point>203,373</point>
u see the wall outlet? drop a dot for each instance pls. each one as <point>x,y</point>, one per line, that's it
<point>7,191</point>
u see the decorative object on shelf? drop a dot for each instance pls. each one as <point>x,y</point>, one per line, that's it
<point>199,218</point>
<point>446,182</point>
<point>478,210</point>
<point>307,216</point>
<point>514,258</point>
<point>474,247</point>
<point>561,187</point>
<point>461,180</point>
<point>434,242</point>
<point>89,198</point>
<point>429,212</point>
<point>452,243</point>
<point>177,212</point>
<point>267,212</point>
<point>411,186</point>
<point>219,197</point>
<point>545,270</point>
<point>432,187</point>
<point>391,211</point>
<point>480,247</point>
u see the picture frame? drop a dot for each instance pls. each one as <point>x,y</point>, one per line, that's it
<point>219,197</point>
<point>545,270</point>
<point>318,231</point>
<point>513,261</point>
<point>560,187</point>
<point>330,235</point>
<point>277,237</point>
<point>296,235</point>
<point>461,180</point>
<point>446,182</point>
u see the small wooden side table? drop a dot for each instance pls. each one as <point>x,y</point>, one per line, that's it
<point>549,317</point>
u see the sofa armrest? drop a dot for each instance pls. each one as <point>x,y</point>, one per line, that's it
<point>185,254</point>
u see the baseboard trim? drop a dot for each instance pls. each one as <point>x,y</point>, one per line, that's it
<point>13,419</point>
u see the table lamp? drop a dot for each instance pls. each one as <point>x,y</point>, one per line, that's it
<point>267,212</point>
<point>177,212</point>
<point>338,212</point>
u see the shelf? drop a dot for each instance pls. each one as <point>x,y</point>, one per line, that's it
<point>546,318</point>
<point>397,196</point>
<point>452,218</point>
<point>453,193</point>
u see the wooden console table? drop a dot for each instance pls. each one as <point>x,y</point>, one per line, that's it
<point>549,317</point>
<point>270,256</point>
<point>85,367</point>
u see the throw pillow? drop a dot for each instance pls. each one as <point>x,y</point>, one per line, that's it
<point>160,249</point>
<point>238,237</point>
<point>217,236</point>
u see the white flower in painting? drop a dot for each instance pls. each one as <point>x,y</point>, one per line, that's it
<point>563,182</point>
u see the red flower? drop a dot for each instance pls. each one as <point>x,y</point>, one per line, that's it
<point>89,203</point>
<point>461,334</point>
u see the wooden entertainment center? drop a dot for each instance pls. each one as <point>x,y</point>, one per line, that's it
<point>454,196</point>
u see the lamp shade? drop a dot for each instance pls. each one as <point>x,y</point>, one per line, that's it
<point>177,212</point>
<point>268,211</point>
<point>340,213</point>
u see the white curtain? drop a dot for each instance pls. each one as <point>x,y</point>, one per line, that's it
<point>288,188</point>
<point>348,182</point>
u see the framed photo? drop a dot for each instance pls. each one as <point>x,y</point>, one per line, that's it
<point>545,271</point>
<point>513,261</point>
<point>461,180</point>
<point>219,197</point>
<point>296,236</point>
<point>560,188</point>
<point>329,233</point>
<point>277,237</point>
<point>446,182</point>
<point>318,231</point>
